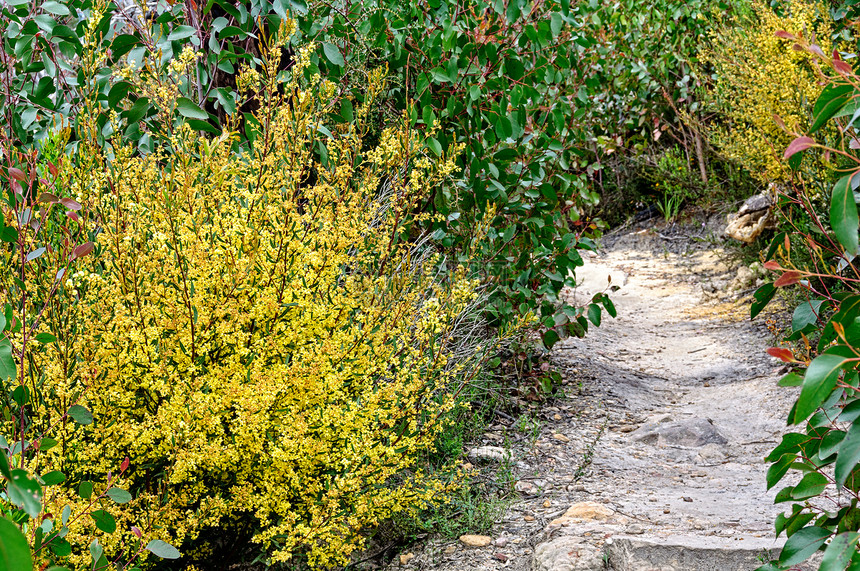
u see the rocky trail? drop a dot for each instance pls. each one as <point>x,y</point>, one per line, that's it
<point>654,460</point>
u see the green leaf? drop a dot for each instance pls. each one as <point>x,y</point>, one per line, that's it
<point>819,380</point>
<point>53,478</point>
<point>807,313</point>
<point>555,23</point>
<point>85,490</point>
<point>5,470</point>
<point>831,100</point>
<point>594,314</point>
<point>25,492</point>
<point>848,454</point>
<point>800,546</point>
<point>104,521</point>
<point>843,214</point>
<point>80,414</point>
<point>60,547</point>
<point>8,234</point>
<point>45,338</point>
<point>609,306</point>
<point>550,338</point>
<point>791,380</point>
<point>14,549</point>
<point>8,370</point>
<point>96,551</point>
<point>809,486</point>
<point>118,495</point>
<point>181,33</point>
<point>332,54</point>
<point>189,109</point>
<point>513,11</point>
<point>838,554</point>
<point>434,146</point>
<point>199,125</point>
<point>346,110</point>
<point>779,469</point>
<point>163,549</point>
<point>55,8</point>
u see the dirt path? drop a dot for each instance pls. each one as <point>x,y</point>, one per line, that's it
<point>654,462</point>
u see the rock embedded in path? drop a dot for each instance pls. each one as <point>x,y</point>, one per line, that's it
<point>690,432</point>
<point>476,540</point>
<point>687,553</point>
<point>584,511</point>
<point>491,453</point>
<point>567,553</point>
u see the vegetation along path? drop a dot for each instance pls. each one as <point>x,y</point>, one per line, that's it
<point>654,461</point>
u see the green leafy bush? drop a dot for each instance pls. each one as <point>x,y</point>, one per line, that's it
<point>256,325</point>
<point>824,445</point>
<point>759,75</point>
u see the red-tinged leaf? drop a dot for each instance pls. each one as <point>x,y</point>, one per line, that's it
<point>798,145</point>
<point>797,47</point>
<point>73,215</point>
<point>83,250</point>
<point>854,143</point>
<point>124,465</point>
<point>784,35</point>
<point>842,67</point>
<point>790,277</point>
<point>816,49</point>
<point>772,265</point>
<point>70,204</point>
<point>784,355</point>
<point>787,244</point>
<point>48,197</point>
<point>779,122</point>
<point>136,531</point>
<point>839,329</point>
<point>17,174</point>
<point>52,168</point>
<point>17,188</point>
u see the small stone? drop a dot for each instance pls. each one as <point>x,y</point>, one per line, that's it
<point>528,518</point>
<point>665,511</point>
<point>556,416</point>
<point>547,504</point>
<point>635,529</point>
<point>687,499</point>
<point>405,558</point>
<point>707,384</point>
<point>476,540</point>
<point>584,511</point>
<point>467,466</point>
<point>524,487</point>
<point>561,437</point>
<point>450,549</point>
<point>501,542</point>
<point>496,453</point>
<point>500,557</point>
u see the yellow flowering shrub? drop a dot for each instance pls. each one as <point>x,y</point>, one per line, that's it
<point>257,332</point>
<point>759,75</point>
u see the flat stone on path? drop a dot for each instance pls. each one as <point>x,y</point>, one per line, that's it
<point>690,432</point>
<point>685,553</point>
<point>567,553</point>
<point>584,511</point>
<point>476,540</point>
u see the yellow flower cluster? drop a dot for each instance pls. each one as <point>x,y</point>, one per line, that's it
<point>760,75</point>
<point>256,335</point>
